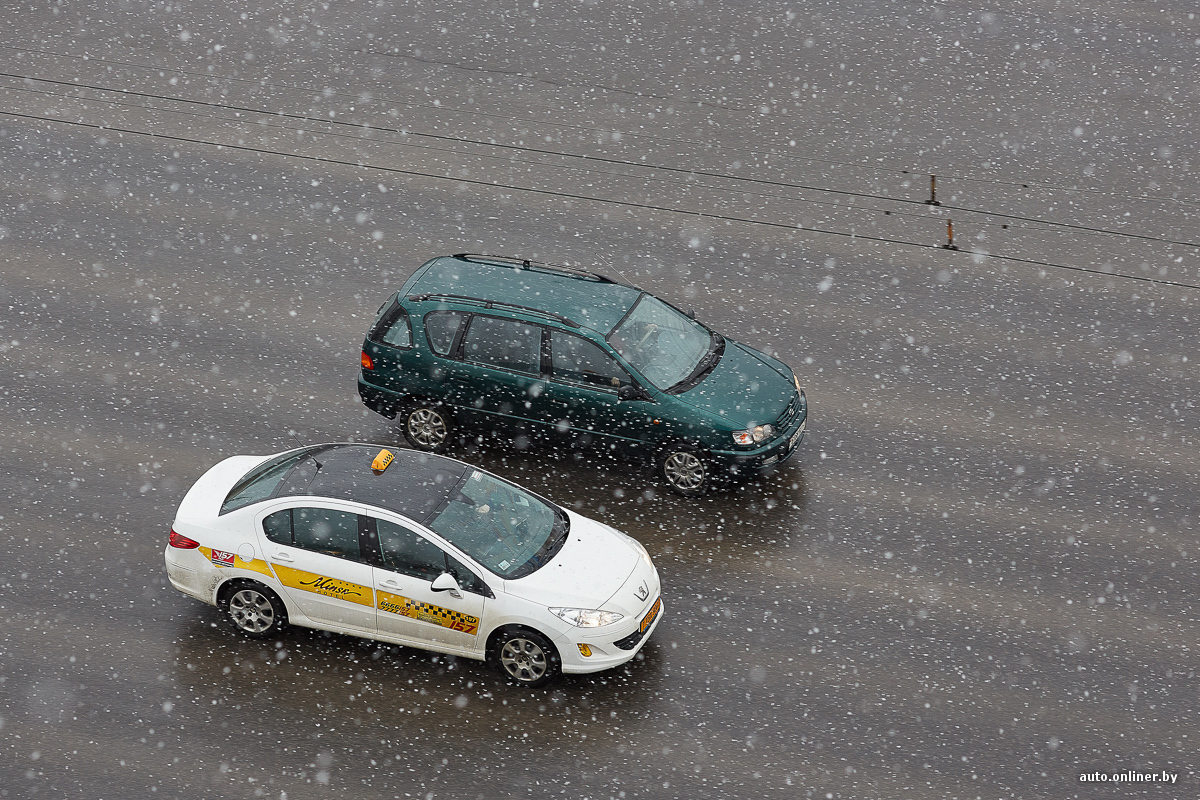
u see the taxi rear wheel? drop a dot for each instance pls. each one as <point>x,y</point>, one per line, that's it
<point>525,657</point>
<point>685,469</point>
<point>253,609</point>
<point>426,425</point>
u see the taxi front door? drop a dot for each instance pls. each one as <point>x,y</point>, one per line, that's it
<point>407,605</point>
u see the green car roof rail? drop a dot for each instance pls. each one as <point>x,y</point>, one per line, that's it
<point>526,263</point>
<point>461,298</point>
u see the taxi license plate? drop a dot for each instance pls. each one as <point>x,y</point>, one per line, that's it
<point>650,615</point>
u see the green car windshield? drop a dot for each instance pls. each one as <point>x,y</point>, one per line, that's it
<point>506,529</point>
<point>662,344</point>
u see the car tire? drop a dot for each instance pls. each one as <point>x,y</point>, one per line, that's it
<point>685,469</point>
<point>253,610</point>
<point>426,425</point>
<point>525,657</point>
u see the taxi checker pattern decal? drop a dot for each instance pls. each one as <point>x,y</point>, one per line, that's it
<point>327,587</point>
<point>222,558</point>
<point>425,612</point>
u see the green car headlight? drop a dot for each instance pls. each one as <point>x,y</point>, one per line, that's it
<point>755,435</point>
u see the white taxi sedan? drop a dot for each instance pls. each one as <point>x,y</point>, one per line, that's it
<point>415,549</point>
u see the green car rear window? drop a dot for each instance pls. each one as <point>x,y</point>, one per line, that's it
<point>391,326</point>
<point>260,483</point>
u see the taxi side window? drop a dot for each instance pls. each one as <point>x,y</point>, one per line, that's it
<point>324,530</point>
<point>468,581</point>
<point>406,552</point>
<point>577,360</point>
<point>278,527</point>
<point>409,553</point>
<point>440,328</point>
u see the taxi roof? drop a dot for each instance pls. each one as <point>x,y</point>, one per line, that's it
<point>590,300</point>
<point>414,485</point>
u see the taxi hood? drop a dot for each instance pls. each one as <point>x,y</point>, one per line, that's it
<point>746,388</point>
<point>590,568</point>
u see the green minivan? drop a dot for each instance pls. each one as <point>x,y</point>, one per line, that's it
<point>486,344</point>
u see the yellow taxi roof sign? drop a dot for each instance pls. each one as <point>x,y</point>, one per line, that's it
<point>382,460</point>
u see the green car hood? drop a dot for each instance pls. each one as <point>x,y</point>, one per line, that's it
<point>746,388</point>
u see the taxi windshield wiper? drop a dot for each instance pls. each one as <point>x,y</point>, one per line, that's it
<point>558,537</point>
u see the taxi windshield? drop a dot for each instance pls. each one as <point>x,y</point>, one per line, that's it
<point>506,529</point>
<point>662,344</point>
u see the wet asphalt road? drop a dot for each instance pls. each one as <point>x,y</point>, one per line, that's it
<point>976,580</point>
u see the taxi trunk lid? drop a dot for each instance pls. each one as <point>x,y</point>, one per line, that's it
<point>203,500</point>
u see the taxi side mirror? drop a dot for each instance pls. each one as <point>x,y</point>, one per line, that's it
<point>446,583</point>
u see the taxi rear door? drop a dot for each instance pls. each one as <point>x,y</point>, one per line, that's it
<point>314,552</point>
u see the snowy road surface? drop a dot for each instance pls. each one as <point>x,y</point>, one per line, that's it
<point>977,579</point>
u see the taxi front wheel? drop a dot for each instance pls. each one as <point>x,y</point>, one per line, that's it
<point>253,609</point>
<point>525,657</point>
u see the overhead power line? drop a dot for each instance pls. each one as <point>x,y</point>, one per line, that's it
<point>588,198</point>
<point>681,171</point>
<point>560,123</point>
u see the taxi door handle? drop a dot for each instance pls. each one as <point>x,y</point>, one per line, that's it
<point>390,584</point>
<point>283,557</point>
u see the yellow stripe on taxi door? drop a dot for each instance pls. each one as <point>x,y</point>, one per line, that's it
<point>324,585</point>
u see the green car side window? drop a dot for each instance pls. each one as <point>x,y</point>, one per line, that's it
<point>577,360</point>
<point>505,344</point>
<point>441,327</point>
<point>399,334</point>
<point>392,326</point>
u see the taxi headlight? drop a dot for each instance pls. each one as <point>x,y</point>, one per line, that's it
<point>796,380</point>
<point>759,433</point>
<point>586,617</point>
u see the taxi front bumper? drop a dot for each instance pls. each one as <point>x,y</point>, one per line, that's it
<point>610,646</point>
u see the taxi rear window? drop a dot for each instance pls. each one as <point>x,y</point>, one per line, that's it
<point>260,483</point>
